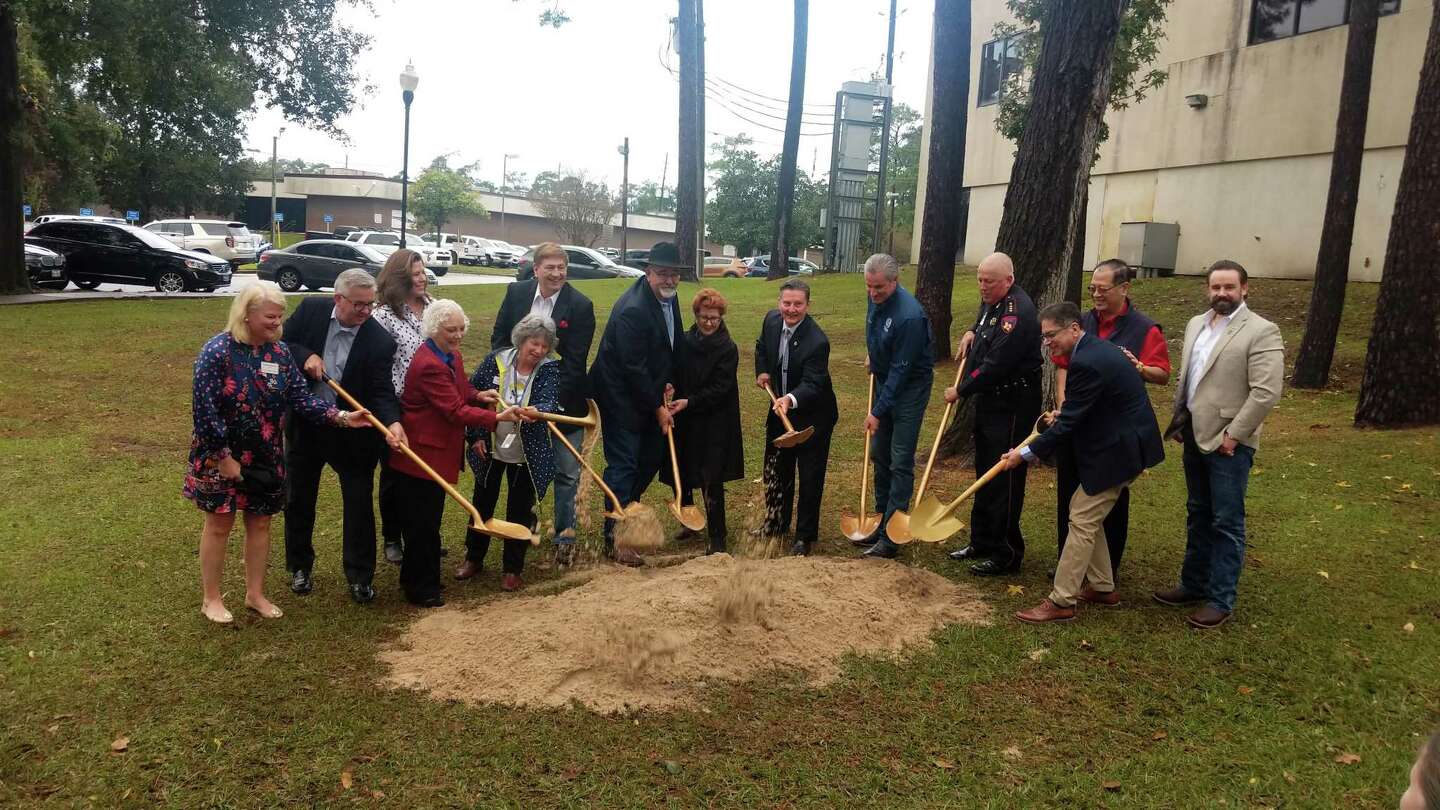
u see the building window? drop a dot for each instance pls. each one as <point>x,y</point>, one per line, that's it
<point>1277,19</point>
<point>999,61</point>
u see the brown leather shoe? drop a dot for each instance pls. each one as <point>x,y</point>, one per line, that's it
<point>1046,612</point>
<point>1208,618</point>
<point>511,582</point>
<point>468,569</point>
<point>627,556</point>
<point>1094,597</point>
<point>1175,597</point>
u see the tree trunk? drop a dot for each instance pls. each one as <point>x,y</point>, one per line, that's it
<point>14,277</point>
<point>687,212</point>
<point>1332,265</point>
<point>943,222</point>
<point>785,196</point>
<point>1075,278</point>
<point>1401,373</point>
<point>1068,93</point>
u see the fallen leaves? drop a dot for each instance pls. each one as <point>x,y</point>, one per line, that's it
<point>120,745</point>
<point>1347,758</point>
<point>944,764</point>
<point>1159,735</point>
<point>1086,645</point>
<point>1323,574</point>
<point>1111,785</point>
<point>1409,627</point>
<point>1013,752</point>
<point>347,779</point>
<point>1015,590</point>
<point>1245,690</point>
<point>1039,655</point>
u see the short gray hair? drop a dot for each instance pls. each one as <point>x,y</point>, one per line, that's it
<point>533,326</point>
<point>884,264</point>
<point>353,279</point>
<point>437,313</point>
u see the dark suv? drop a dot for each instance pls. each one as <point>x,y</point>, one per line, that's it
<point>97,252</point>
<point>315,263</point>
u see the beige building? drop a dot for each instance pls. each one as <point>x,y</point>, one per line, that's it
<point>1235,148</point>
<point>367,201</point>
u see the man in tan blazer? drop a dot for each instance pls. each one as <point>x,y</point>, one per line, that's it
<point>1230,377</point>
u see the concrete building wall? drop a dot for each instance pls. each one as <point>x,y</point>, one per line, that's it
<point>1245,176</point>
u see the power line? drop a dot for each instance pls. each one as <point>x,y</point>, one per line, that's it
<point>762,95</point>
<point>825,134</point>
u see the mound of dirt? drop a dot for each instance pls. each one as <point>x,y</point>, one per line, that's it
<point>649,638</point>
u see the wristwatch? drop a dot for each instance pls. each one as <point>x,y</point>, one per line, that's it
<point>341,417</point>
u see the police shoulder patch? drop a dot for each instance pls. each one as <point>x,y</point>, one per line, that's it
<point>1008,323</point>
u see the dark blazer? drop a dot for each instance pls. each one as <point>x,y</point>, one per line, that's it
<point>809,371</point>
<point>1106,418</point>
<point>437,406</point>
<point>366,377</point>
<point>635,359</point>
<point>708,443</point>
<point>574,317</point>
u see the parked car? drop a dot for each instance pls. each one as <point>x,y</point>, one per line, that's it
<point>231,241</point>
<point>44,218</point>
<point>47,268</point>
<point>387,242</point>
<point>725,267</point>
<point>610,253</point>
<point>97,252</point>
<point>504,254</point>
<point>315,263</point>
<point>584,263</point>
<point>638,259</point>
<point>759,266</point>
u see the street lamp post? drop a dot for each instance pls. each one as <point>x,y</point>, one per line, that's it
<point>625,200</point>
<point>504,178</point>
<point>274,162</point>
<point>409,80</point>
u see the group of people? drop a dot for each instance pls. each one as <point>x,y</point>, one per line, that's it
<point>384,347</point>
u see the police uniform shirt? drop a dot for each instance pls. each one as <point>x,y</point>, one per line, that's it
<point>1006,348</point>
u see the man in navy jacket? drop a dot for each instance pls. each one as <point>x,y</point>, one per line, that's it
<point>1111,429</point>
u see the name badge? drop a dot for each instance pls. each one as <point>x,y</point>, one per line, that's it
<point>272,369</point>
<point>496,381</point>
<point>509,440</point>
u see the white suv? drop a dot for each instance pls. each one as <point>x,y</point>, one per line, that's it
<point>231,241</point>
<point>387,242</point>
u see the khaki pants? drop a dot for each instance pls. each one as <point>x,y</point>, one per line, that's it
<point>1086,554</point>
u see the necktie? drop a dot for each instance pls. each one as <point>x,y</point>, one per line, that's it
<point>669,321</point>
<point>785,361</point>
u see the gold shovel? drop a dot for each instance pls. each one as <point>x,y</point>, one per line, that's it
<point>933,522</point>
<point>791,436</point>
<point>494,526</point>
<point>617,511</point>
<point>861,526</point>
<point>689,516</point>
<point>898,529</point>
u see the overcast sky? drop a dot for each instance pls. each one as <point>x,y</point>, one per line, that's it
<point>492,81</point>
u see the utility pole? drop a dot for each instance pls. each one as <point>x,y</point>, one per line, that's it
<point>700,139</point>
<point>885,130</point>
<point>687,213</point>
<point>504,178</point>
<point>625,200</point>
<point>274,163</point>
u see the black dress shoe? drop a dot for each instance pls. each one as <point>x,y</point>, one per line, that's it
<point>966,553</point>
<point>993,568</point>
<point>881,551</point>
<point>394,553</point>
<point>300,582</point>
<point>363,593</point>
<point>800,549</point>
<point>429,602</point>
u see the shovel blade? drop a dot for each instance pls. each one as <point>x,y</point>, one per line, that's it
<point>929,523</point>
<point>898,529</point>
<point>858,527</point>
<point>689,516</point>
<point>506,530</point>
<point>794,437</point>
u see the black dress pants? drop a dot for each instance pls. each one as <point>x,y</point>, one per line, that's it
<point>391,518</point>
<point>808,460</point>
<point>519,508</point>
<point>1117,523</point>
<point>422,508</point>
<point>305,460</point>
<point>1001,422</point>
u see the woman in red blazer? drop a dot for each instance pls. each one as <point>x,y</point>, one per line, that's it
<point>437,406</point>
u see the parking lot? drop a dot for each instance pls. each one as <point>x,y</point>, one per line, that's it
<point>238,282</point>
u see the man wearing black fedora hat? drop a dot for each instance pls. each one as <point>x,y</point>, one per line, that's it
<point>632,374</point>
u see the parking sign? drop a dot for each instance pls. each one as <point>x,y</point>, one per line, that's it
<point>87,212</point>
<point>25,209</point>
<point>132,215</point>
<point>279,216</point>
<point>328,219</point>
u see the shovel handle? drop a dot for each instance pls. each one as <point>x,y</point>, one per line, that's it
<point>990,474</point>
<point>784,420</point>
<point>419,462</point>
<point>940,431</point>
<point>609,493</point>
<point>865,465</point>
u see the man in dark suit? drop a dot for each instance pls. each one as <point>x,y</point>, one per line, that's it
<point>548,295</point>
<point>633,372</point>
<point>337,337</point>
<point>1110,427</point>
<point>792,357</point>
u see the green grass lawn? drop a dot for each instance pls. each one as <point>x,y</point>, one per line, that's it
<point>1333,651</point>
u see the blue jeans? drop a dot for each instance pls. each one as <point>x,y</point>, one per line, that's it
<point>631,461</point>
<point>892,451</point>
<point>566,482</point>
<point>1214,522</point>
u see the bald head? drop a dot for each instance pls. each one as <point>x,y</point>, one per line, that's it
<point>995,276</point>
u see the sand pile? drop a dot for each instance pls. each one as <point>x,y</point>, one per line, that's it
<point>632,638</point>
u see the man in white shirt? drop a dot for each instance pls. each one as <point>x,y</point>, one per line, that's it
<point>1230,378</point>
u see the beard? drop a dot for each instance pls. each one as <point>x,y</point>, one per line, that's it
<point>668,292</point>
<point>1224,306</point>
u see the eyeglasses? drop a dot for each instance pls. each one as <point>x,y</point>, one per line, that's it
<point>363,306</point>
<point>1049,336</point>
<point>1094,290</point>
<point>703,319</point>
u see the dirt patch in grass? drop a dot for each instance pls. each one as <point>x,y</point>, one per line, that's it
<point>652,638</point>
